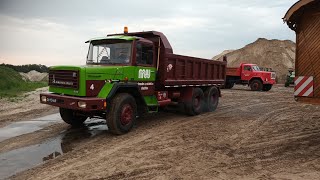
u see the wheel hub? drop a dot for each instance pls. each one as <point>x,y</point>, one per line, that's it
<point>213,99</point>
<point>126,114</point>
<point>197,101</point>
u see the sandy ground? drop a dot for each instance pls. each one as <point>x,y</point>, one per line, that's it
<point>252,135</point>
<point>24,107</point>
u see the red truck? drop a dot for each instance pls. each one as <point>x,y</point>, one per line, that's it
<point>251,75</point>
<point>129,74</point>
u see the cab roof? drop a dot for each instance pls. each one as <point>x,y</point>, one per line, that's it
<point>119,37</point>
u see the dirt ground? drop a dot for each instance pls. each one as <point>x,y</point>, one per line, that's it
<point>24,107</point>
<point>252,135</point>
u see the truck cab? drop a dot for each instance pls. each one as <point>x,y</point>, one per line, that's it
<point>251,71</point>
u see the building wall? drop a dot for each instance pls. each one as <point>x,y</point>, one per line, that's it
<point>308,47</point>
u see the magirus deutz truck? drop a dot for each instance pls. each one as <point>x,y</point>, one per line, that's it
<point>129,74</point>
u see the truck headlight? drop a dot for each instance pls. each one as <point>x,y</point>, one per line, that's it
<point>43,98</point>
<point>82,104</point>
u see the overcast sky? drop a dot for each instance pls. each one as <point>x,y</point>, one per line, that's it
<point>53,32</point>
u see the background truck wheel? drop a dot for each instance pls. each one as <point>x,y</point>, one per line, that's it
<point>196,105</point>
<point>256,85</point>
<point>211,98</point>
<point>286,84</point>
<point>71,117</point>
<point>229,85</point>
<point>122,114</point>
<point>267,87</point>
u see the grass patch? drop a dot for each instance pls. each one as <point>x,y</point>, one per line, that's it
<point>12,84</point>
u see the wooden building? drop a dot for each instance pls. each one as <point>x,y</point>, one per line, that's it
<point>304,18</point>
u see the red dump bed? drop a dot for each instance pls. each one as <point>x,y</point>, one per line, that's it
<point>184,70</point>
<point>233,71</point>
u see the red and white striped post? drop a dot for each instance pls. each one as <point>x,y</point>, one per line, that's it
<point>303,86</point>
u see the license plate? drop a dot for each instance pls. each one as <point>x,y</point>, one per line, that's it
<point>52,100</point>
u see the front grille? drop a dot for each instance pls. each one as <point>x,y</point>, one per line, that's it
<point>64,78</point>
<point>273,75</point>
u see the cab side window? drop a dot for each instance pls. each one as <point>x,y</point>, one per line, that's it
<point>144,54</point>
<point>247,68</point>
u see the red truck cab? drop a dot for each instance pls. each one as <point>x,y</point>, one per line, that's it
<point>251,75</point>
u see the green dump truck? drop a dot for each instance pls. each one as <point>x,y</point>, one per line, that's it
<point>129,74</point>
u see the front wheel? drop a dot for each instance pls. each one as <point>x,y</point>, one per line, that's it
<point>72,117</point>
<point>267,87</point>
<point>256,85</point>
<point>122,114</point>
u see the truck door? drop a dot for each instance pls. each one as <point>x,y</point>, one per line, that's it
<point>246,73</point>
<point>145,71</point>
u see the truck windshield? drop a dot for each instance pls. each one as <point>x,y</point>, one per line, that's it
<point>255,68</point>
<point>109,53</point>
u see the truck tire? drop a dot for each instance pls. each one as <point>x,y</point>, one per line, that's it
<point>195,107</point>
<point>267,87</point>
<point>229,85</point>
<point>256,85</point>
<point>211,98</point>
<point>286,84</point>
<point>122,114</point>
<point>71,117</point>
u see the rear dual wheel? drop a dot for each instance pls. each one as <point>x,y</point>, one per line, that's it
<point>203,102</point>
<point>228,85</point>
<point>211,97</point>
<point>195,107</point>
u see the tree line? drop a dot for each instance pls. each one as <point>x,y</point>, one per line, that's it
<point>27,68</point>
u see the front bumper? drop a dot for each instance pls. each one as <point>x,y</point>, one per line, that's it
<point>272,81</point>
<point>71,102</point>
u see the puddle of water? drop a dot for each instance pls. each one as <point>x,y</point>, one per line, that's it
<point>21,159</point>
<point>52,117</point>
<point>24,127</point>
<point>28,157</point>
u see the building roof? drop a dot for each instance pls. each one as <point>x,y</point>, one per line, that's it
<point>295,10</point>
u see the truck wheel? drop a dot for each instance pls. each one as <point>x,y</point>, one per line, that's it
<point>195,106</point>
<point>229,85</point>
<point>211,97</point>
<point>71,117</point>
<point>267,87</point>
<point>256,85</point>
<point>122,114</point>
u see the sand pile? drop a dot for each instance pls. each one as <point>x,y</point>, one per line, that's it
<point>34,76</point>
<point>276,54</point>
